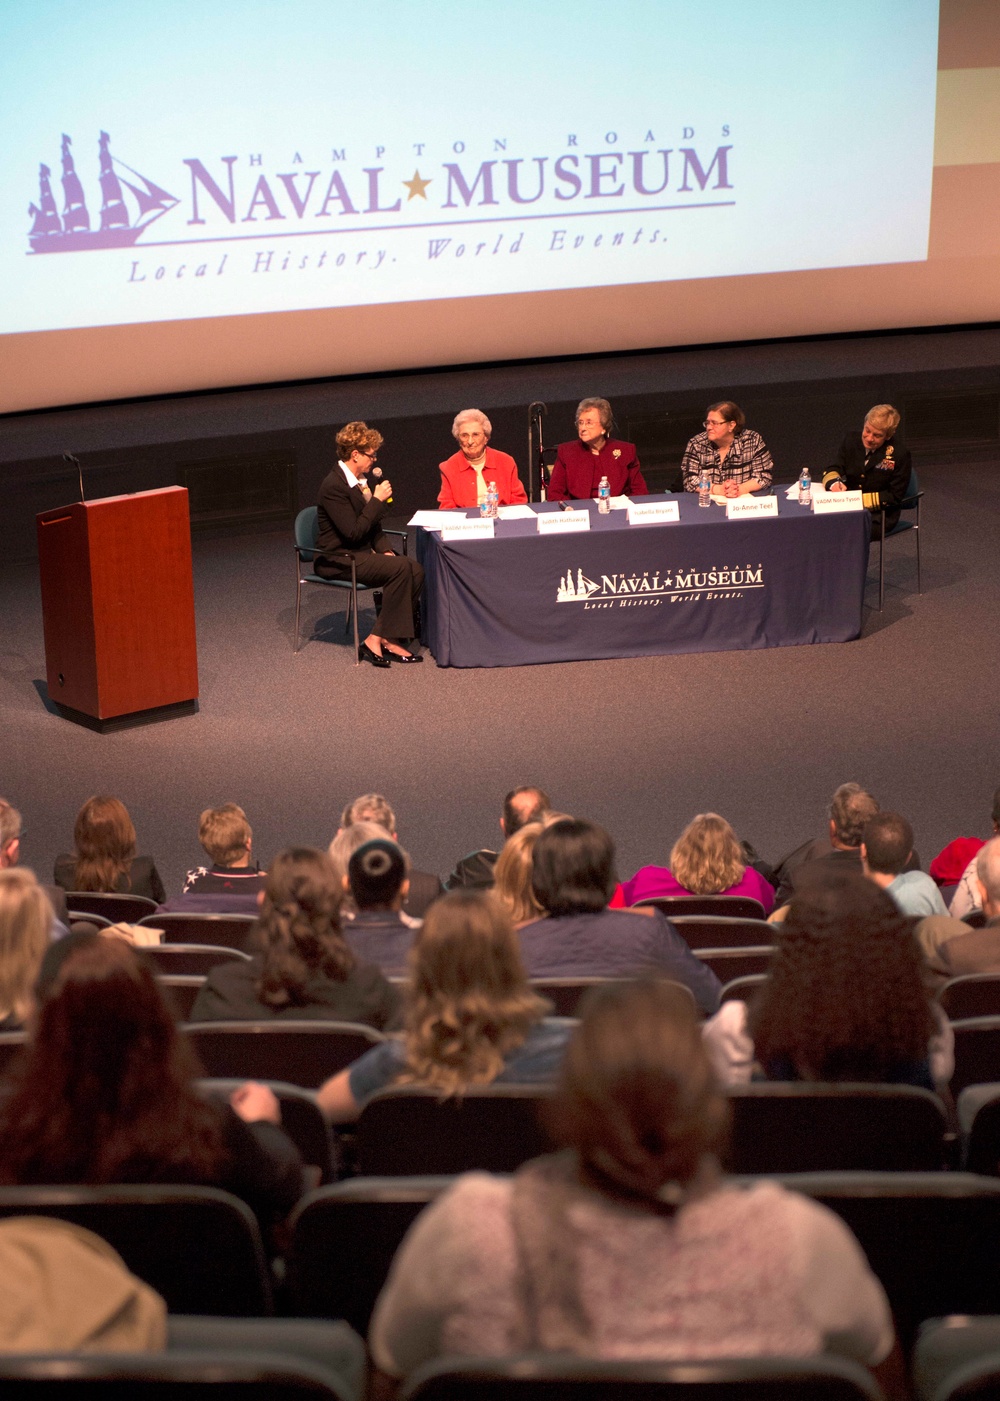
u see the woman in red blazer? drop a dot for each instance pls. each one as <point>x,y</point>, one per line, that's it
<point>466,476</point>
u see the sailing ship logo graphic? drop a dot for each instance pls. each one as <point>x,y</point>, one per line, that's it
<point>122,220</point>
<point>578,592</point>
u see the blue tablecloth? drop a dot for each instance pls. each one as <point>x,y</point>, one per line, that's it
<point>705,584</point>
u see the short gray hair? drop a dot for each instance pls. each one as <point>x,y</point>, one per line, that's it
<point>10,823</point>
<point>988,870</point>
<point>471,416</point>
<point>850,810</point>
<point>601,405</point>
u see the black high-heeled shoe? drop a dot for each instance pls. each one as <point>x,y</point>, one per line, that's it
<point>404,657</point>
<point>365,654</point>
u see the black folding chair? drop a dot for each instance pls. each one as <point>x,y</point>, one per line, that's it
<point>169,1376</point>
<point>971,995</point>
<point>910,503</point>
<point>728,964</point>
<point>197,1246</point>
<point>118,909</point>
<point>180,990</point>
<point>220,931</point>
<point>977,1052</point>
<point>723,932</point>
<point>565,994</point>
<point>301,1052</point>
<point>190,958</point>
<point>742,989</point>
<point>726,906</point>
<point>306,552</point>
<point>301,1118</point>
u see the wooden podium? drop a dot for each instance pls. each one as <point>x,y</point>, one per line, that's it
<point>118,605</point>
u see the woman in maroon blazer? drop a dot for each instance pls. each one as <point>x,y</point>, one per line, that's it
<point>466,476</point>
<point>580,465</point>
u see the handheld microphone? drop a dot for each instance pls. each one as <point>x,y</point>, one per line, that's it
<point>377,473</point>
<point>68,457</point>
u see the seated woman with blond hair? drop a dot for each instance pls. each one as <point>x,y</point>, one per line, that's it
<point>630,1244</point>
<point>25,933</point>
<point>707,859</point>
<point>470,1018</point>
<point>512,876</point>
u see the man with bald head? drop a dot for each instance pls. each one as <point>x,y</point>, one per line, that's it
<point>979,950</point>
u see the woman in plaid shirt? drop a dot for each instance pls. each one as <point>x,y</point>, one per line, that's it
<point>734,456</point>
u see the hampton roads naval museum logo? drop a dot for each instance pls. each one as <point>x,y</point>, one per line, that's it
<point>122,220</point>
<point>653,587</point>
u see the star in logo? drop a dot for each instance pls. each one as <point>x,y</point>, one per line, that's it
<point>416,187</point>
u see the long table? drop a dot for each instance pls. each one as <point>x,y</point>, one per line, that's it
<point>703,584</point>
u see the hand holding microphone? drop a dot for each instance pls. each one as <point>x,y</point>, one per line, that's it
<point>383,490</point>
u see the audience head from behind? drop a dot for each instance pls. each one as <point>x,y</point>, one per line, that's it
<point>469,1003</point>
<point>707,856</point>
<point>25,933</point>
<point>342,848</point>
<point>10,835</point>
<point>573,868</point>
<point>886,846</point>
<point>637,1099</point>
<point>226,835</point>
<point>372,808</point>
<point>988,878</point>
<point>104,838</point>
<point>377,875</point>
<point>521,806</point>
<point>844,998</point>
<point>513,875</point>
<point>299,927</point>
<point>104,1092</point>
<point>850,809</point>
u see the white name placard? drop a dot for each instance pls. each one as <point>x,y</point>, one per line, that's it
<point>654,513</point>
<point>481,529</point>
<point>825,502</point>
<point>563,522</point>
<point>749,507</point>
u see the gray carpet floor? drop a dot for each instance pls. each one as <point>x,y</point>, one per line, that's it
<point>909,710</point>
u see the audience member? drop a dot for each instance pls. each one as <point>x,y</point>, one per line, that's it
<point>706,859</point>
<point>105,1092</point>
<point>630,1244</point>
<point>850,809</point>
<point>886,847</point>
<point>227,838</point>
<point>978,951</point>
<point>305,969</point>
<point>105,858</point>
<point>844,998</point>
<point>521,806</point>
<point>377,881</point>
<point>25,934</point>
<point>471,1017</point>
<point>11,833</point>
<point>965,900</point>
<point>372,807</point>
<point>573,878</point>
<point>512,886</point>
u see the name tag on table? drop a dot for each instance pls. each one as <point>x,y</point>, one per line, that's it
<point>654,513</point>
<point>481,529</point>
<point>748,507</point>
<point>828,502</point>
<point>563,522</point>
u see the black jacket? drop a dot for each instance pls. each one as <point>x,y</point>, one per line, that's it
<point>882,475</point>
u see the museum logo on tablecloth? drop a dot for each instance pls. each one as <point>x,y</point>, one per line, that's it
<point>650,588</point>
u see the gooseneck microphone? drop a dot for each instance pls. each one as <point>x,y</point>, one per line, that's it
<point>69,457</point>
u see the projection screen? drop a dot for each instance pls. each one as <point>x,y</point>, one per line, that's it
<point>212,193</point>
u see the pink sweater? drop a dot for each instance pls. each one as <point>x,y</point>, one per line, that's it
<point>652,882</point>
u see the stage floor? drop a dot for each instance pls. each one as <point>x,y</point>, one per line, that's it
<point>910,710</point>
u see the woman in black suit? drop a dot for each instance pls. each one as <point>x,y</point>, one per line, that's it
<point>350,516</point>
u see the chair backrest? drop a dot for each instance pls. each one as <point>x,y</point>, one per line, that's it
<point>301,1118</point>
<point>728,964</point>
<point>411,1130</point>
<point>912,491</point>
<point>190,958</point>
<point>552,1377</point>
<point>971,995</point>
<point>565,994</point>
<point>977,1052</point>
<point>76,918</point>
<point>202,1375</point>
<point>221,931</point>
<point>742,989</point>
<point>975,919</point>
<point>723,932</point>
<point>930,1237</point>
<point>301,1052</point>
<point>728,906</point>
<point>197,1246</point>
<point>307,527</point>
<point>180,990</point>
<point>780,1127</point>
<point>11,1043</point>
<point>130,908</point>
<point>344,1238</point>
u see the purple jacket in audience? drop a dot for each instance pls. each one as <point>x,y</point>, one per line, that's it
<point>615,944</point>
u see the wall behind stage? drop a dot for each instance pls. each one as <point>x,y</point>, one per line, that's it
<point>252,457</point>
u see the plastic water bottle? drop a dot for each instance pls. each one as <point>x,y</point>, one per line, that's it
<point>704,490</point>
<point>805,488</point>
<point>492,499</point>
<point>604,496</point>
